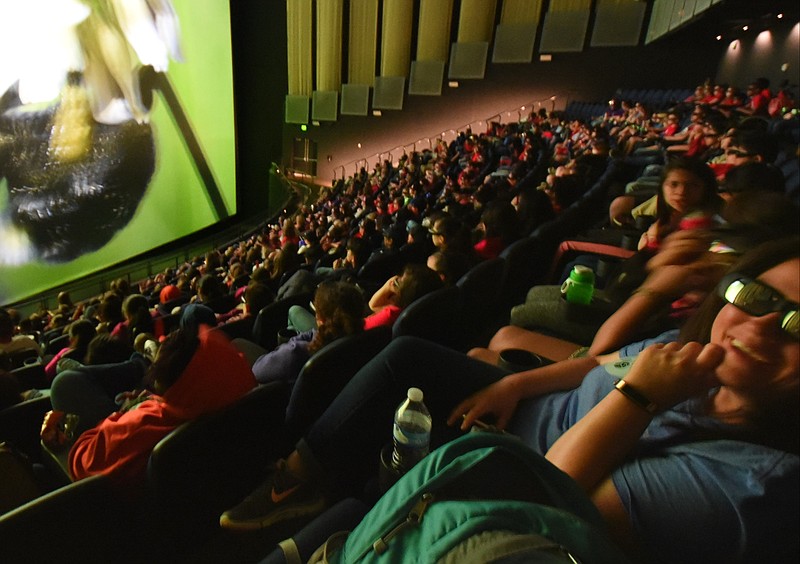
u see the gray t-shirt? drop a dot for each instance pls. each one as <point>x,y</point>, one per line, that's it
<point>689,500</point>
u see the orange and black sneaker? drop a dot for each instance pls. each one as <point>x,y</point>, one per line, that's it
<point>280,498</point>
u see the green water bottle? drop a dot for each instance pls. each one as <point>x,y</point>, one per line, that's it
<point>579,287</point>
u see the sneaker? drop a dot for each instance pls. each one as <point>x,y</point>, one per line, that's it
<point>280,498</point>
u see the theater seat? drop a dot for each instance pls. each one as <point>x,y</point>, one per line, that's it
<point>481,301</point>
<point>273,318</point>
<point>20,424</point>
<point>209,464</point>
<point>86,521</point>
<point>31,375</point>
<point>435,316</point>
<point>327,372</point>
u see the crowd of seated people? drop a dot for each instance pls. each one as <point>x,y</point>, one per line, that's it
<point>383,238</point>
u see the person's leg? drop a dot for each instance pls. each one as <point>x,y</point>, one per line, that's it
<point>512,337</point>
<point>620,210</point>
<point>340,453</point>
<point>89,392</point>
<point>301,320</point>
<point>345,442</point>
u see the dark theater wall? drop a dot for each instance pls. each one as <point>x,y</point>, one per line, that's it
<point>258,31</point>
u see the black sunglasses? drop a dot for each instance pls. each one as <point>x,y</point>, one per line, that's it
<point>757,299</point>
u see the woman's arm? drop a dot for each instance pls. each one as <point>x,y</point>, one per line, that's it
<point>683,264</point>
<point>501,398</point>
<point>663,374</point>
<point>385,295</point>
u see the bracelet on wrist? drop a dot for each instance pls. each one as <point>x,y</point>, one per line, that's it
<point>635,396</point>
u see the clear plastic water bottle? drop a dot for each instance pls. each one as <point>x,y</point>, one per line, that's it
<point>412,431</point>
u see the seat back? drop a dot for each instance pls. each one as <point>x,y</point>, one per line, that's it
<point>209,464</point>
<point>273,318</point>
<point>481,301</point>
<point>239,329</point>
<point>86,521</point>
<point>31,375</point>
<point>20,424</point>
<point>327,372</point>
<point>435,316</point>
<point>56,344</point>
<point>527,262</point>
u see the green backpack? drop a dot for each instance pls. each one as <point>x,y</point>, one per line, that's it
<point>481,498</point>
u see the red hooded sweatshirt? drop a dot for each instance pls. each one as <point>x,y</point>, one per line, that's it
<point>121,444</point>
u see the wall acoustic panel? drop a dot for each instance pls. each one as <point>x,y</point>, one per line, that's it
<point>564,32</point>
<point>468,60</point>
<point>355,100</point>
<point>513,43</point>
<point>324,104</point>
<point>682,12</point>
<point>296,109</point>
<point>616,24</point>
<point>659,19</point>
<point>388,93</point>
<point>426,78</point>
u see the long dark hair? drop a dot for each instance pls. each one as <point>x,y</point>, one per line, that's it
<point>137,312</point>
<point>417,281</point>
<point>340,308</point>
<point>776,422</point>
<point>173,357</point>
<point>710,201</point>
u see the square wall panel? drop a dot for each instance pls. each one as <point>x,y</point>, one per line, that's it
<point>513,43</point>
<point>324,104</point>
<point>617,25</point>
<point>388,93</point>
<point>468,60</point>
<point>564,32</point>
<point>355,100</point>
<point>296,109</point>
<point>426,78</point>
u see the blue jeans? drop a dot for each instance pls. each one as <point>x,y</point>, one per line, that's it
<point>344,444</point>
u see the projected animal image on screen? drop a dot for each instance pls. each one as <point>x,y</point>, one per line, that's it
<point>72,182</point>
<point>77,151</point>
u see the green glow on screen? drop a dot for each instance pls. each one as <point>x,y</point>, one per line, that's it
<point>175,204</point>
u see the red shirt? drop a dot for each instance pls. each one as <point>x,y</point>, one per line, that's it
<point>386,316</point>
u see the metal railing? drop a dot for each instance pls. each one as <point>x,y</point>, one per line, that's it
<point>393,154</point>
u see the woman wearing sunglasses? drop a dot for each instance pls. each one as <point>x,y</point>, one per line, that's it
<point>687,444</point>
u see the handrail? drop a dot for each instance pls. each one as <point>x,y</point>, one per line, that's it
<point>527,107</point>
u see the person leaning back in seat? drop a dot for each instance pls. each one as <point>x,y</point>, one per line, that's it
<point>197,371</point>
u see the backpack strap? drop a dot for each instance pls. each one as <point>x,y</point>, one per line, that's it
<point>494,546</point>
<point>290,551</point>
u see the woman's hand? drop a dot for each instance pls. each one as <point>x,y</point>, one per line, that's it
<point>500,399</point>
<point>50,432</point>
<point>684,264</point>
<point>668,374</point>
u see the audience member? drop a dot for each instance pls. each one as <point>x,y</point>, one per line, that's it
<point>631,444</point>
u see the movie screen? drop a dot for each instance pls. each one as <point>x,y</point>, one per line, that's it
<point>116,133</point>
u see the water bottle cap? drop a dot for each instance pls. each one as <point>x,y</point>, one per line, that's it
<point>581,273</point>
<point>415,394</point>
